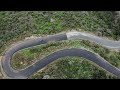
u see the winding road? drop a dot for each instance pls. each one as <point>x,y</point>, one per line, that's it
<point>10,73</point>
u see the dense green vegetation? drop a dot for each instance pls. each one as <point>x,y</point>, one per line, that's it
<point>72,68</point>
<point>16,25</point>
<point>28,56</point>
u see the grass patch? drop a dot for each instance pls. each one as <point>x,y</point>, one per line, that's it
<point>16,25</point>
<point>72,68</point>
<point>38,52</point>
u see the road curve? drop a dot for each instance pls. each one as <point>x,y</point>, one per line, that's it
<point>9,72</point>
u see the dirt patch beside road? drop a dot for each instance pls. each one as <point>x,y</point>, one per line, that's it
<point>1,77</point>
<point>1,57</point>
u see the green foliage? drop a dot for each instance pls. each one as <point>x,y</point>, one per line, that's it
<point>15,25</point>
<point>71,68</point>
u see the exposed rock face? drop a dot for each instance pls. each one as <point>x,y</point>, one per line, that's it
<point>31,37</point>
<point>118,12</point>
<point>52,20</point>
<point>46,77</point>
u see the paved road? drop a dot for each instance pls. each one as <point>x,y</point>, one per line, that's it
<point>9,72</point>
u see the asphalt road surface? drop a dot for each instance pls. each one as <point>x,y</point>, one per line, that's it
<point>10,73</point>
